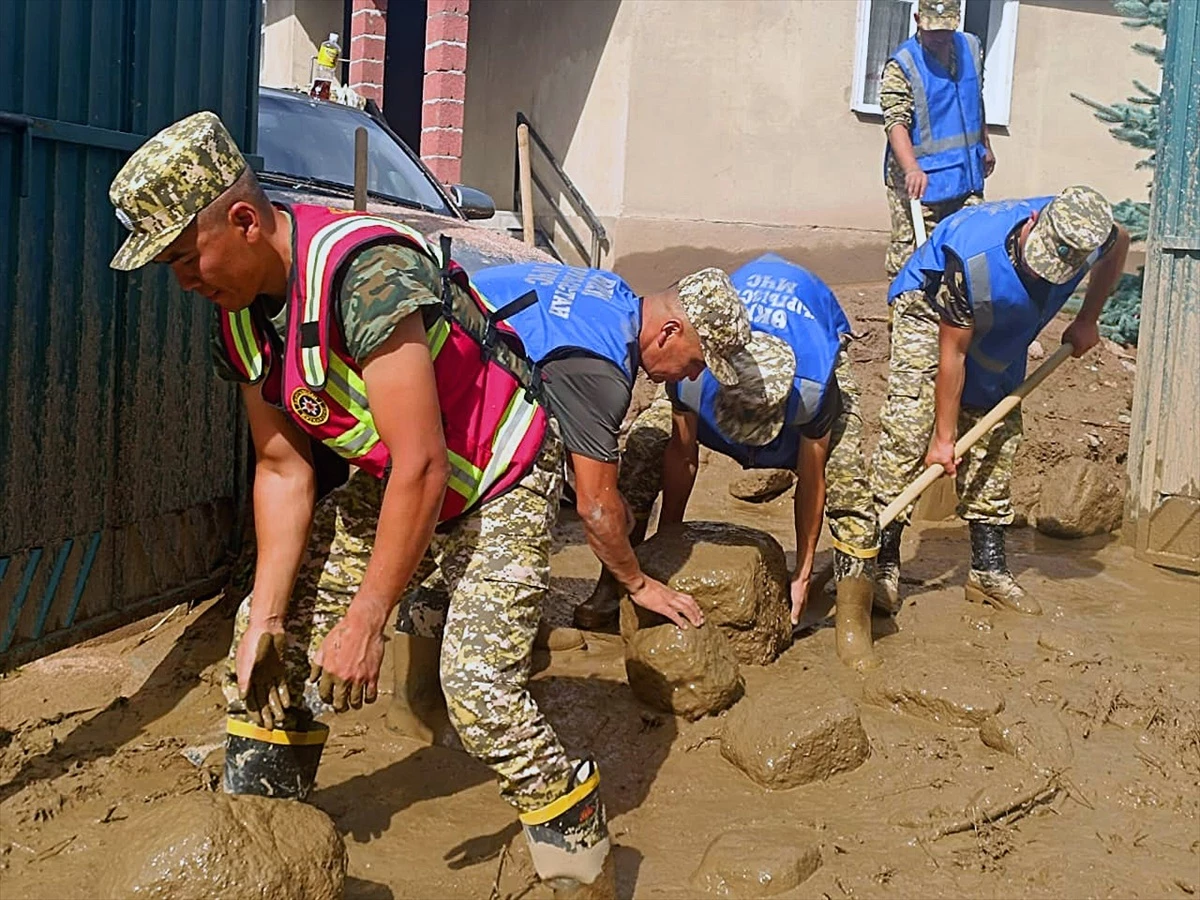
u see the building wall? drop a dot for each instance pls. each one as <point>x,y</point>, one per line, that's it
<point>292,32</point>
<point>707,132</point>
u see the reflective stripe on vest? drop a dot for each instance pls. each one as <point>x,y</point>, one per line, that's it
<point>981,305</point>
<point>927,145</point>
<point>241,326</point>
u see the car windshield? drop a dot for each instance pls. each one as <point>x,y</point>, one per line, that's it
<point>310,140</point>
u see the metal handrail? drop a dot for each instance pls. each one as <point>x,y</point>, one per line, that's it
<point>599,235</point>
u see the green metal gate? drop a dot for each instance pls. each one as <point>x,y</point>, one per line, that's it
<point>119,450</point>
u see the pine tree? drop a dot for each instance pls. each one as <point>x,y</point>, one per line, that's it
<point>1135,123</point>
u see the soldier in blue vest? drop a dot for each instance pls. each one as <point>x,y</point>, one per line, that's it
<point>795,406</point>
<point>965,309</point>
<point>931,94</point>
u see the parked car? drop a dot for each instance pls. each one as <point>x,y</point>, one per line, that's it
<point>307,149</point>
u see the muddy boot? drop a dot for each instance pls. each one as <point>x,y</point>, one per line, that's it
<point>990,581</point>
<point>568,840</point>
<point>602,608</point>
<point>852,618</point>
<point>418,709</point>
<point>887,574</point>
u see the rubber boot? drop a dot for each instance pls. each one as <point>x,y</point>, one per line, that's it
<point>273,762</point>
<point>602,608</point>
<point>990,580</point>
<point>887,574</point>
<point>418,709</point>
<point>852,618</point>
<point>568,840</point>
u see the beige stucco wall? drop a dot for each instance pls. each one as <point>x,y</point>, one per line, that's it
<point>709,130</point>
<point>292,31</point>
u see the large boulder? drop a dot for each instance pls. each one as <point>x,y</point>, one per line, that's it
<point>1078,498</point>
<point>758,861</point>
<point>688,672</point>
<point>760,485</point>
<point>785,737</point>
<point>737,575</point>
<point>233,847</point>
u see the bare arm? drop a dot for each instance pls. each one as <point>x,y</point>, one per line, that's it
<point>680,462</point>
<point>915,180</point>
<point>953,342</point>
<point>602,509</point>
<point>809,503</point>
<point>1084,333</point>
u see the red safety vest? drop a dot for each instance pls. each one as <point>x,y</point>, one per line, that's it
<point>493,425</point>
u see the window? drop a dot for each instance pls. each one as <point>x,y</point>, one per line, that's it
<point>885,24</point>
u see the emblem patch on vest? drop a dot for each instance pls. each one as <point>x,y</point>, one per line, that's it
<point>309,407</point>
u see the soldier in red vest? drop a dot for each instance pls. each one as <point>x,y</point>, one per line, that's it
<point>348,329</point>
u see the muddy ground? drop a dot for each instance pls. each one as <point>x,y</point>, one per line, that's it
<point>1110,674</point>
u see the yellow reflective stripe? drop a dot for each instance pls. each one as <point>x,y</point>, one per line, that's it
<point>507,440</point>
<point>248,350</point>
<point>436,337</point>
<point>464,476</point>
<point>355,442</point>
<point>345,386</point>
<point>557,807</point>
<point>856,552</point>
<point>314,372</point>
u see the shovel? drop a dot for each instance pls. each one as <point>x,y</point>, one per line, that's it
<point>961,446</point>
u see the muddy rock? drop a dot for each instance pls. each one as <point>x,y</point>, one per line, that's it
<point>784,737</point>
<point>927,685</point>
<point>217,845</point>
<point>737,575</point>
<point>757,862</point>
<point>1078,498</point>
<point>1033,734</point>
<point>690,673</point>
<point>760,485</point>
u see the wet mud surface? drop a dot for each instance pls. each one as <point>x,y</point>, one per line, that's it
<point>1086,783</point>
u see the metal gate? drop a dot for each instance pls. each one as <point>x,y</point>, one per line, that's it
<point>119,450</point>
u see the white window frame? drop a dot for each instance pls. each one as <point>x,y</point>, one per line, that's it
<point>997,64</point>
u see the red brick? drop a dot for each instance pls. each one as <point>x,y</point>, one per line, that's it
<point>369,91</point>
<point>446,27</point>
<point>378,5</point>
<point>366,22</point>
<point>444,169</point>
<point>441,142</point>
<point>445,85</point>
<point>368,47</point>
<point>366,70</point>
<point>445,57</point>
<point>442,114</point>
<point>440,6</point>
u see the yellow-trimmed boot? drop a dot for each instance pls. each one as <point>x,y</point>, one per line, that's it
<point>568,840</point>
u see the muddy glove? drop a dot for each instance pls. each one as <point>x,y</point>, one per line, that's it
<point>266,696</point>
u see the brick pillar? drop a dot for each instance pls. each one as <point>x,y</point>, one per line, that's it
<point>368,42</point>
<point>445,88</point>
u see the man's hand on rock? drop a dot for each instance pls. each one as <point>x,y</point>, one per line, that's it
<point>655,596</point>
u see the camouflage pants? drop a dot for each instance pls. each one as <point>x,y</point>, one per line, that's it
<point>488,572</point>
<point>902,242</point>
<point>906,424</point>
<point>479,588</point>
<point>847,490</point>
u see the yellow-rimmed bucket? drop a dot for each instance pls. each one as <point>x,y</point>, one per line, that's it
<point>271,762</point>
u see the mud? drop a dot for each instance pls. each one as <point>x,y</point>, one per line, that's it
<point>759,485</point>
<point>1079,498</point>
<point>1032,733</point>
<point>925,684</point>
<point>758,862</point>
<point>738,577</point>
<point>214,845</point>
<point>94,736</point>
<point>782,737</point>
<point>689,672</point>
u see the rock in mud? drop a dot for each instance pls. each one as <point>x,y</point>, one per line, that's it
<point>1078,498</point>
<point>928,686</point>
<point>760,485</point>
<point>758,862</point>
<point>1033,734</point>
<point>737,575</point>
<point>690,672</point>
<point>784,737</point>
<point>233,847</point>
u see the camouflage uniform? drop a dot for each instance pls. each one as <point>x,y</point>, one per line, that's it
<point>847,491</point>
<point>896,101</point>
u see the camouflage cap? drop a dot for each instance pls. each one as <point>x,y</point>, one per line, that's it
<point>168,180</point>
<point>938,15</point>
<point>712,305</point>
<point>1068,230</point>
<point>753,411</point>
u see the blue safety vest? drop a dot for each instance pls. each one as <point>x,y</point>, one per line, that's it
<point>947,130</point>
<point>789,302</point>
<point>1006,318</point>
<point>553,307</point>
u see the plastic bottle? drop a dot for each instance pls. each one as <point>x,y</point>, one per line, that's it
<point>325,68</point>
